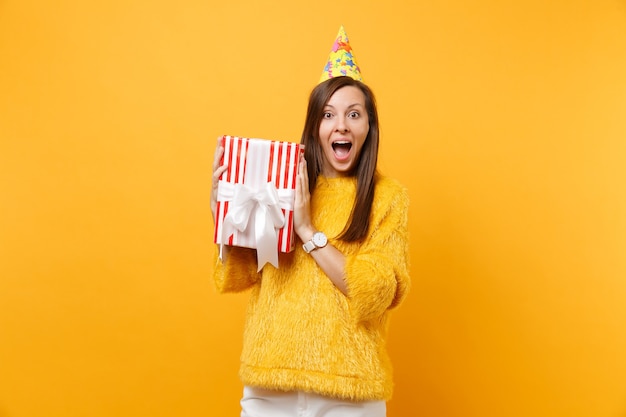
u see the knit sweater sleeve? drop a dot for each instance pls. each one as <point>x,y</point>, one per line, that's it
<point>377,274</point>
<point>237,272</point>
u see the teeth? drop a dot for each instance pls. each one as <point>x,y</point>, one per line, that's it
<point>342,147</point>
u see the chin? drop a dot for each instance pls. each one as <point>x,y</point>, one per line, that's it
<point>344,171</point>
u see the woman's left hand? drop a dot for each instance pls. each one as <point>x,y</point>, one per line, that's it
<point>302,206</point>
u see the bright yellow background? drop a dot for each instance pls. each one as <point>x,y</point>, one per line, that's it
<point>506,120</point>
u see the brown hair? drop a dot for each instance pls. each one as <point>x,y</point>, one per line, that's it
<point>365,171</point>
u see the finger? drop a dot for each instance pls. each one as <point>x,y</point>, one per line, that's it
<point>299,181</point>
<point>305,172</point>
<point>304,176</point>
<point>218,173</point>
<point>217,157</point>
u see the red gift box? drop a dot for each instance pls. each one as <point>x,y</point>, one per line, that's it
<point>255,196</point>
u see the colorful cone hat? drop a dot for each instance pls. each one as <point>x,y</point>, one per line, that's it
<point>341,61</point>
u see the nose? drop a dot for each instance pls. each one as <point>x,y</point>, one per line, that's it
<point>341,127</point>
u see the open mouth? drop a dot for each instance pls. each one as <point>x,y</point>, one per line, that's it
<point>342,148</point>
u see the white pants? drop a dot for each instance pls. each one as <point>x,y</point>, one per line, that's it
<point>258,402</point>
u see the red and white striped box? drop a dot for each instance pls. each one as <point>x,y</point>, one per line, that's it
<point>259,171</point>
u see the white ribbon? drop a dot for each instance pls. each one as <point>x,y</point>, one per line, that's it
<point>258,211</point>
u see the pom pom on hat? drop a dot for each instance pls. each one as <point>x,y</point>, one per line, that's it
<point>341,61</point>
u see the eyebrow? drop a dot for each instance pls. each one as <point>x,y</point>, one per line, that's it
<point>349,107</point>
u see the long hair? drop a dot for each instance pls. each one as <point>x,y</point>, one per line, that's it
<point>365,171</point>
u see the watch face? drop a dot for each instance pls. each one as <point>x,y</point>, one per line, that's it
<point>319,239</point>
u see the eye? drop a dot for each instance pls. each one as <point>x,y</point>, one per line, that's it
<point>353,114</point>
<point>327,115</point>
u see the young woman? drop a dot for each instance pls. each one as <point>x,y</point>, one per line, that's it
<point>316,327</point>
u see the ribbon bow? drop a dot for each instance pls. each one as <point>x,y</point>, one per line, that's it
<point>262,209</point>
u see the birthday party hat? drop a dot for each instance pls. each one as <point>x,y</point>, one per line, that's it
<point>340,60</point>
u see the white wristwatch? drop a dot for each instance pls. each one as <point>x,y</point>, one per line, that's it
<point>318,240</point>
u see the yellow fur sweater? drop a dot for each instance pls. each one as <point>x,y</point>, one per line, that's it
<point>301,332</point>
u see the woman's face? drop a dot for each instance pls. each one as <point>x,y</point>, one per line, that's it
<point>343,130</point>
